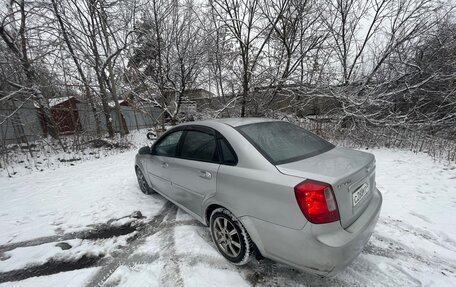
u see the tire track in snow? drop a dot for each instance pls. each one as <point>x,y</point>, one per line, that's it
<point>191,222</point>
<point>171,275</point>
<point>123,258</point>
<point>407,228</point>
<point>396,249</point>
<point>97,231</point>
<point>50,267</point>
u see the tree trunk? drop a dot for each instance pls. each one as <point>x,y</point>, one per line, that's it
<point>101,76</point>
<point>245,90</point>
<point>81,73</point>
<point>122,126</point>
<point>111,79</point>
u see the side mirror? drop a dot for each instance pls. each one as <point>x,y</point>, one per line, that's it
<point>145,150</point>
<point>151,136</point>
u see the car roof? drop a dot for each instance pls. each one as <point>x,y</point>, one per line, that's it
<point>234,122</point>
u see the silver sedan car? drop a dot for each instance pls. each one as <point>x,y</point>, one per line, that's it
<point>267,188</point>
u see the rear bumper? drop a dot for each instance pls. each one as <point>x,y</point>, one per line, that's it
<point>323,249</point>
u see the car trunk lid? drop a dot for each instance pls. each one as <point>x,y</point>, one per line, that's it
<point>351,174</point>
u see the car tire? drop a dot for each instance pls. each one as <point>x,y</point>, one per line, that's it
<point>143,185</point>
<point>230,237</point>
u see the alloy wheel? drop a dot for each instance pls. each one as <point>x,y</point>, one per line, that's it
<point>227,237</point>
<point>142,181</point>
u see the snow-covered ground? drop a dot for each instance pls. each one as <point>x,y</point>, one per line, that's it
<point>47,153</point>
<point>414,243</point>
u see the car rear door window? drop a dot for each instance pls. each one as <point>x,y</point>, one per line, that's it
<point>168,146</point>
<point>228,155</point>
<point>199,146</point>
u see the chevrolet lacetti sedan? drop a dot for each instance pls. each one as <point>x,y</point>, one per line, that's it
<point>267,187</point>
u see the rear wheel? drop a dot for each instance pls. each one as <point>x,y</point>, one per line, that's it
<point>143,185</point>
<point>230,237</point>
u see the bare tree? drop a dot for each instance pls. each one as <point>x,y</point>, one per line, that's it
<point>59,14</point>
<point>245,21</point>
<point>298,36</point>
<point>387,26</point>
<point>14,31</point>
<point>169,55</point>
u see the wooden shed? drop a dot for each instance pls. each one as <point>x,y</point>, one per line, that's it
<point>65,114</point>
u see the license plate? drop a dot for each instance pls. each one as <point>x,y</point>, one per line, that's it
<point>360,193</point>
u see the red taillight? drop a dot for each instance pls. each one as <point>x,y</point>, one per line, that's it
<point>317,202</point>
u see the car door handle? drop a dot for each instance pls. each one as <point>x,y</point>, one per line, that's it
<point>164,164</point>
<point>205,174</point>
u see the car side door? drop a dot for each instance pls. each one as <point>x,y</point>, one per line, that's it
<point>158,167</point>
<point>194,171</point>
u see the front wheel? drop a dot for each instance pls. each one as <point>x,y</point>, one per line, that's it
<point>143,185</point>
<point>230,237</point>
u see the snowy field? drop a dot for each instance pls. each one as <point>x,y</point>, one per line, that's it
<point>77,226</point>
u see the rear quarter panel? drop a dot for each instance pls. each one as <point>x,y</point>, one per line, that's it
<point>265,195</point>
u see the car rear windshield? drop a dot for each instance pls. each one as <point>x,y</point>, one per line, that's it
<point>282,142</point>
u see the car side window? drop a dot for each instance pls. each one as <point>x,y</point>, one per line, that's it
<point>168,146</point>
<point>199,146</point>
<point>228,155</point>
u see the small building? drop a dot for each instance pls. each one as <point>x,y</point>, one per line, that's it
<point>65,114</point>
